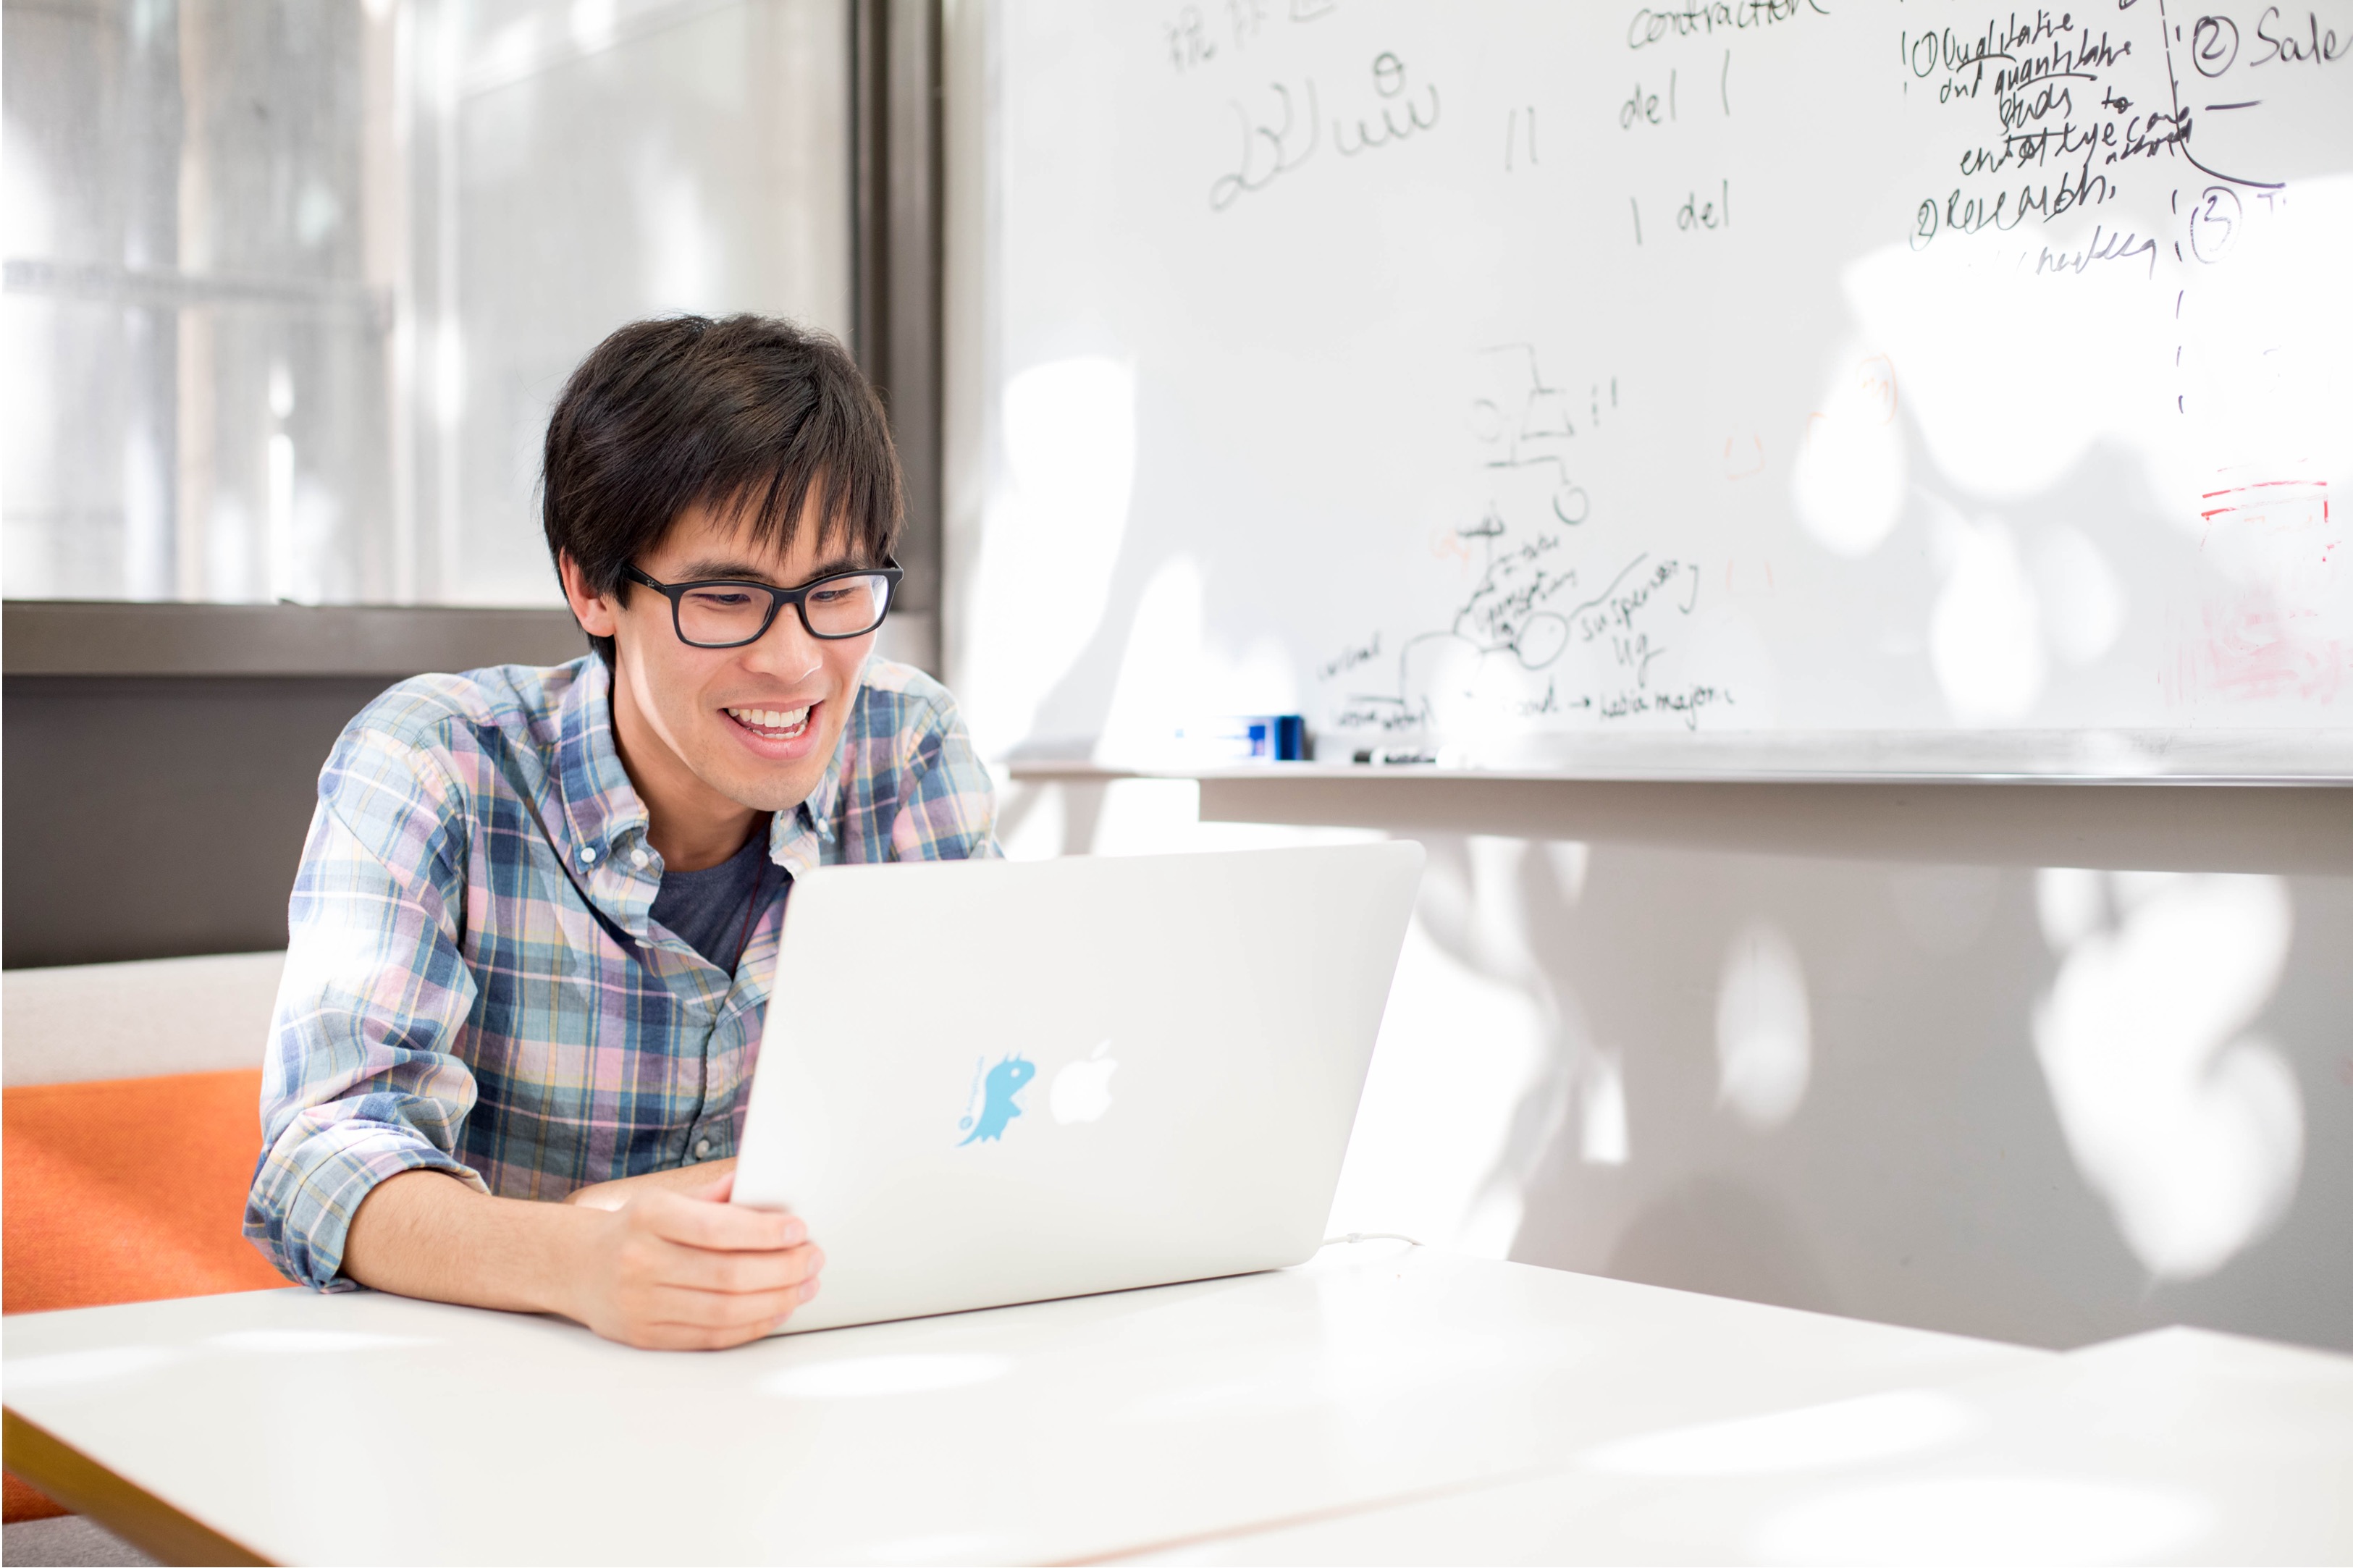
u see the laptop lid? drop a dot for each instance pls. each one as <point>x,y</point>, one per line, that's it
<point>984,1082</point>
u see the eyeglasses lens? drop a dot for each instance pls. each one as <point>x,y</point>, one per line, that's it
<point>722,615</point>
<point>845,606</point>
<point>717,617</point>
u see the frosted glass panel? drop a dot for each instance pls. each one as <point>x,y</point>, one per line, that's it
<point>290,287</point>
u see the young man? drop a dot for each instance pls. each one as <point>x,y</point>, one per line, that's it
<point>534,926</point>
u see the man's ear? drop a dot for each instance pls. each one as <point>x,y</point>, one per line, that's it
<point>594,611</point>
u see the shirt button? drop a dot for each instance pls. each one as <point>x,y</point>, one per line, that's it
<point>703,1148</point>
<point>642,858</point>
<point>588,853</point>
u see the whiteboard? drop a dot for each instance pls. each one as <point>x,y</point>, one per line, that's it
<point>1506,381</point>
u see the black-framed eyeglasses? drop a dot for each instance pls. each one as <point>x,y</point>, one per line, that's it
<point>726,613</point>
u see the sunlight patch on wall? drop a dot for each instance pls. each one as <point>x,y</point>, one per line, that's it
<point>1175,681</point>
<point>1764,1028</point>
<point>1603,1134</point>
<point>1458,1053</point>
<point>2190,1126</point>
<point>1152,697</point>
<point>1148,816</point>
<point>1570,860</point>
<point>1049,540</point>
<point>1032,819</point>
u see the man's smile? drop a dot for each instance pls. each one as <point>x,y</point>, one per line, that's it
<point>773,723</point>
<point>780,729</point>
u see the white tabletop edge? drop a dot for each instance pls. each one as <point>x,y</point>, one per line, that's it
<point>1473,1371</point>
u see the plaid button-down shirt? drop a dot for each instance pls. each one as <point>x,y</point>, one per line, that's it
<point>474,982</point>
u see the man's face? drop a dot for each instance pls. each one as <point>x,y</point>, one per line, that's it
<point>754,726</point>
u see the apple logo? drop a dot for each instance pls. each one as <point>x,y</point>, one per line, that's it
<point>1081,1091</point>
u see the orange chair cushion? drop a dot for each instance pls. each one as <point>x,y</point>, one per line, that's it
<point>126,1190</point>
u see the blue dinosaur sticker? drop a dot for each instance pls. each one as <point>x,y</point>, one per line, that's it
<point>1005,1081</point>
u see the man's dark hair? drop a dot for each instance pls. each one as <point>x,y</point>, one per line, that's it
<point>747,416</point>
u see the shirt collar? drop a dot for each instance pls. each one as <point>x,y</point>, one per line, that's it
<point>601,805</point>
<point>600,802</point>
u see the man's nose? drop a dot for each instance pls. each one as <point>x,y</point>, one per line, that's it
<point>786,649</point>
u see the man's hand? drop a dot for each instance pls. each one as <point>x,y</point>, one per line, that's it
<point>665,1269</point>
<point>672,1270</point>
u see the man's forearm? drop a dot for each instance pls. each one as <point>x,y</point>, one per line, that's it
<point>666,1268</point>
<point>426,1235</point>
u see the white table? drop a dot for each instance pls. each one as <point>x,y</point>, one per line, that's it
<point>2179,1446</point>
<point>369,1428</point>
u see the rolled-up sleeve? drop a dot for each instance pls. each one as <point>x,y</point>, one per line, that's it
<point>360,1082</point>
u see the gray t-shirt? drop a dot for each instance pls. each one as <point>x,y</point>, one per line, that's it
<point>711,910</point>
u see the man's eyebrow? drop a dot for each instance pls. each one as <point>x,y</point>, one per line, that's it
<point>704,568</point>
<point>707,566</point>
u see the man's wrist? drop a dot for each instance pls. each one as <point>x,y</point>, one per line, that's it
<point>567,1234</point>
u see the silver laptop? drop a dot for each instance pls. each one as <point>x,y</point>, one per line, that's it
<point>996,1081</point>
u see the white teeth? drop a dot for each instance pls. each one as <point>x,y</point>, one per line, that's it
<point>771,717</point>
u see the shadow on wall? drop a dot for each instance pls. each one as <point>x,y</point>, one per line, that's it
<point>2051,1106</point>
<point>1714,1234</point>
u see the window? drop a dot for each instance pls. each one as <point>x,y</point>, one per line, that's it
<point>290,285</point>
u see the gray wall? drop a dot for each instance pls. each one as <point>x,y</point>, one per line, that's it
<point>161,760</point>
<point>1926,1176</point>
<point>154,818</point>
